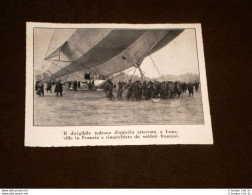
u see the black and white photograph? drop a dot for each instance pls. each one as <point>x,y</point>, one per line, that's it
<point>114,75</point>
<point>150,96</point>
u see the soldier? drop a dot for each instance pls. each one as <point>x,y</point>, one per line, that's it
<point>120,90</point>
<point>136,90</point>
<point>41,88</point>
<point>49,86</point>
<point>108,89</point>
<point>149,90</point>
<point>58,88</point>
<point>152,90</point>
<point>144,91</point>
<point>184,87</point>
<point>196,86</point>
<point>128,84</point>
<point>75,85</point>
<point>130,90</point>
<point>36,85</point>
<point>190,89</point>
<point>178,88</point>
<point>163,90</point>
<point>90,85</point>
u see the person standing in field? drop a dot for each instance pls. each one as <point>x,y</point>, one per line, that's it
<point>41,88</point>
<point>90,85</point>
<point>75,85</point>
<point>36,85</point>
<point>120,90</point>
<point>49,86</point>
<point>190,89</point>
<point>196,86</point>
<point>58,88</point>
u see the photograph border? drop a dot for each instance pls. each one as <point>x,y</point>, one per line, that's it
<point>195,33</point>
<point>32,131</point>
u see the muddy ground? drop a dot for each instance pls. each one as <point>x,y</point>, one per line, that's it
<point>92,108</point>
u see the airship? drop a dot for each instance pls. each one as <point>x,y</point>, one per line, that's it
<point>102,51</point>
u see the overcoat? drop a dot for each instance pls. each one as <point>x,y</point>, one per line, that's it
<point>58,87</point>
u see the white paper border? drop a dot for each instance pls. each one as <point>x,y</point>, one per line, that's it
<point>53,136</point>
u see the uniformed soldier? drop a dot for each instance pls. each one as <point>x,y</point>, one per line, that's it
<point>75,85</point>
<point>58,88</point>
<point>41,88</point>
<point>49,86</point>
<point>190,89</point>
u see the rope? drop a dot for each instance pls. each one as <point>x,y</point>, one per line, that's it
<point>133,74</point>
<point>141,73</point>
<point>121,74</point>
<point>50,43</point>
<point>74,62</point>
<point>50,60</point>
<point>157,68</point>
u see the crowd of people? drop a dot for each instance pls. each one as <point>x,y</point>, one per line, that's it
<point>39,87</point>
<point>151,89</point>
<point>135,90</point>
<point>77,84</point>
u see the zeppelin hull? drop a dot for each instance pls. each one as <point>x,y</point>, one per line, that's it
<point>105,52</point>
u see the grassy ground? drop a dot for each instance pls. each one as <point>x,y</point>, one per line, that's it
<point>93,108</point>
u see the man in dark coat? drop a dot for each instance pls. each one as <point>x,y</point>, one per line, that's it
<point>75,85</point>
<point>36,85</point>
<point>90,85</point>
<point>196,86</point>
<point>49,86</point>
<point>40,91</point>
<point>120,90</point>
<point>58,88</point>
<point>190,89</point>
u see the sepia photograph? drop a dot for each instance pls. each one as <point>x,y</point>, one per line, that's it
<point>116,76</point>
<point>126,94</point>
<point>118,80</point>
<point>122,95</point>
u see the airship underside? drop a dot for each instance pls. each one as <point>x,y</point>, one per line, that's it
<point>103,51</point>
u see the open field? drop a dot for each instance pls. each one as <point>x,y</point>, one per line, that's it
<point>92,108</point>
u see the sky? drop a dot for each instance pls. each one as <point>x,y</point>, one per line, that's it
<point>42,39</point>
<point>177,57</point>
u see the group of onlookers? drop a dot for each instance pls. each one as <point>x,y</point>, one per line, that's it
<point>39,87</point>
<point>151,89</point>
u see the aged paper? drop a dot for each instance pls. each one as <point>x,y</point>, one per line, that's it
<point>115,84</point>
